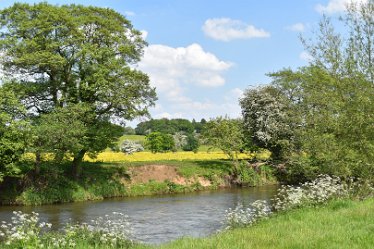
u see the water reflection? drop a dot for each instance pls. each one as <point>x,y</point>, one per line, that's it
<point>156,219</point>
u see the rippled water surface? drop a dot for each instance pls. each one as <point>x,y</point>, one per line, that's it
<point>156,219</point>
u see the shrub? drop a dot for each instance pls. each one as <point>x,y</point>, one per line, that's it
<point>159,142</point>
<point>26,231</point>
<point>130,147</point>
<point>192,143</point>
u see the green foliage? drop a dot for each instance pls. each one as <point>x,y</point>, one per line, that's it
<point>73,55</point>
<point>192,144</point>
<point>159,142</point>
<point>167,126</point>
<point>330,101</point>
<point>225,134</point>
<point>13,132</point>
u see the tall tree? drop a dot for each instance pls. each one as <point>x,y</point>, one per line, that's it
<point>225,134</point>
<point>266,120</point>
<point>77,57</point>
<point>334,99</point>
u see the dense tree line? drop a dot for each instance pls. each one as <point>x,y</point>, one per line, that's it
<point>169,126</point>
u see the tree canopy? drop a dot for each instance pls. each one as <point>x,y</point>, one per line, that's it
<point>332,99</point>
<point>75,58</point>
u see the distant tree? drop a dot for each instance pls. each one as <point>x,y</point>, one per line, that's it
<point>180,140</point>
<point>130,147</point>
<point>73,56</point>
<point>225,134</point>
<point>192,143</point>
<point>164,125</point>
<point>159,142</point>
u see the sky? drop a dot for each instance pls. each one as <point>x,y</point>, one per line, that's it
<point>202,54</point>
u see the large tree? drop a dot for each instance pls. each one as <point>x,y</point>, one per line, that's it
<point>79,58</point>
<point>334,99</point>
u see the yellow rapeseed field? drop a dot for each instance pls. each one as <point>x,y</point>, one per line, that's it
<point>149,157</point>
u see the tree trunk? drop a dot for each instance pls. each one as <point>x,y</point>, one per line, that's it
<point>59,156</point>
<point>76,165</point>
<point>38,159</point>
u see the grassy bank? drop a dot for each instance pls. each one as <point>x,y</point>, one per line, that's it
<point>104,180</point>
<point>339,224</point>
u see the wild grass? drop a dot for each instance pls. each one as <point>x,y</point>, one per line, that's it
<point>339,224</point>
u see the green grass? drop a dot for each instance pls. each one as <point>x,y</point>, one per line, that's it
<point>340,224</point>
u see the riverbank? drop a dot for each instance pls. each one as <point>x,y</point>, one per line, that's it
<point>121,179</point>
<point>338,224</point>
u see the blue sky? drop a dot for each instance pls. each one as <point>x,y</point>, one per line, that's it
<point>202,54</point>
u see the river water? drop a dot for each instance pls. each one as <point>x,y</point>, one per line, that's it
<point>156,219</point>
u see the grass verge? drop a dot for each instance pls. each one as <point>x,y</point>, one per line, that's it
<point>338,224</point>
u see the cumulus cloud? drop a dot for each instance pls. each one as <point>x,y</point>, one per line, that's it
<point>305,56</point>
<point>227,104</point>
<point>334,6</point>
<point>178,72</point>
<point>297,27</point>
<point>171,68</point>
<point>226,29</point>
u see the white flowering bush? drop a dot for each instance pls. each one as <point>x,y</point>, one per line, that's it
<point>23,231</point>
<point>316,192</point>
<point>113,230</point>
<point>240,217</point>
<point>129,147</point>
<point>26,231</point>
<point>322,189</point>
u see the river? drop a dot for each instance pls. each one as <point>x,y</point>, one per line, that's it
<point>156,219</point>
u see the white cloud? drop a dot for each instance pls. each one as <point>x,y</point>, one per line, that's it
<point>130,13</point>
<point>297,27</point>
<point>334,6</point>
<point>226,29</point>
<point>227,104</point>
<point>305,56</point>
<point>170,68</point>
<point>177,72</point>
<point>168,115</point>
